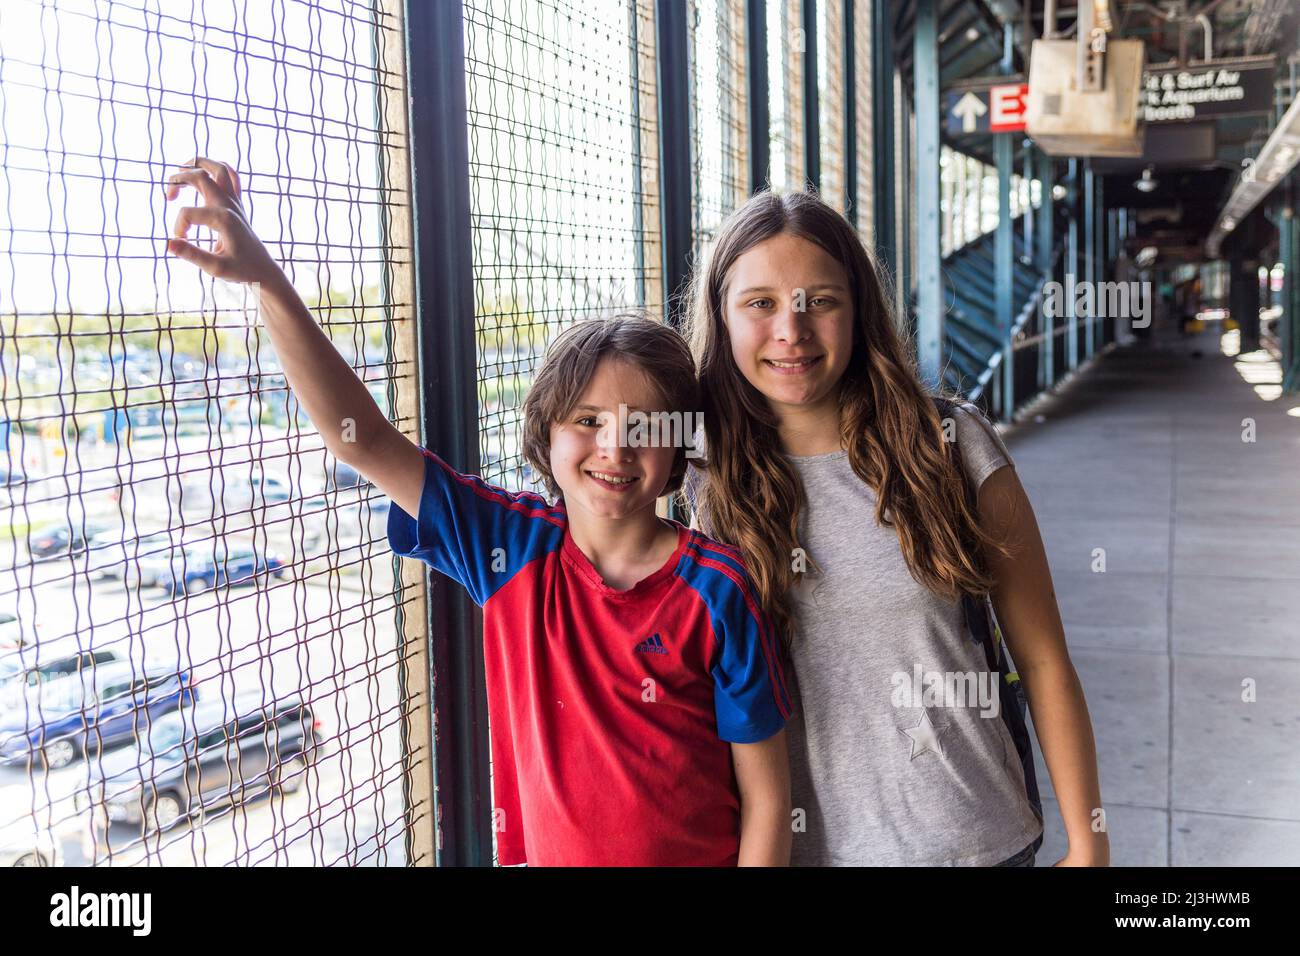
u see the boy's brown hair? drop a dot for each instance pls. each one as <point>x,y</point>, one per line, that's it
<point>571,360</point>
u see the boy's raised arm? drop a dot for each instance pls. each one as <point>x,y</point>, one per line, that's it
<point>352,426</point>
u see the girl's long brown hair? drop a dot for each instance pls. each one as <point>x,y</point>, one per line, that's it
<point>749,495</point>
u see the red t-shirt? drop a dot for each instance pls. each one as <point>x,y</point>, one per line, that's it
<point>611,712</point>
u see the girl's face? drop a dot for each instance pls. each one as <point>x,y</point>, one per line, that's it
<point>598,466</point>
<point>789,316</point>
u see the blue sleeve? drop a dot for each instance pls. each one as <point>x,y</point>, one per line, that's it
<point>750,696</point>
<point>477,534</point>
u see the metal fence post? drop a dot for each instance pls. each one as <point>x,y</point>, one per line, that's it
<point>673,67</point>
<point>812,127</point>
<point>1090,256</point>
<point>760,113</point>
<point>1046,267</point>
<point>882,136</point>
<point>444,310</point>
<point>1072,267</point>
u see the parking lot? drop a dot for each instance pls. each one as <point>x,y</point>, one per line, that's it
<point>318,621</point>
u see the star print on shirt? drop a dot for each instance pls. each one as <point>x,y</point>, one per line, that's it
<point>924,736</point>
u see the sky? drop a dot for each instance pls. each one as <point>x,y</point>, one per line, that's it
<point>99,102</point>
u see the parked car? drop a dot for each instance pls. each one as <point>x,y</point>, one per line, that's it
<point>235,490</point>
<point>216,754</point>
<point>15,631</point>
<point>339,476</point>
<point>61,539</point>
<point>160,566</point>
<point>117,554</point>
<point>60,717</point>
<point>200,567</point>
<point>24,842</point>
<point>356,521</point>
<point>68,665</point>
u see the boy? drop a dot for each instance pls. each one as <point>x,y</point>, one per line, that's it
<point>635,690</point>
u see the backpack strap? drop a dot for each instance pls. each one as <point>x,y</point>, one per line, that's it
<point>982,624</point>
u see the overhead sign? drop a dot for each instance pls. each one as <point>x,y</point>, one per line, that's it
<point>1007,107</point>
<point>997,109</point>
<point>1206,92</point>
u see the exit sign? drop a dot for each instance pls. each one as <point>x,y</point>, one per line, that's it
<point>1007,107</point>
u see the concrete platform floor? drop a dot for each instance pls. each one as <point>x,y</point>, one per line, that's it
<point>1142,455</point>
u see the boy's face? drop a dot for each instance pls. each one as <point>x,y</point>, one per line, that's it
<point>594,469</point>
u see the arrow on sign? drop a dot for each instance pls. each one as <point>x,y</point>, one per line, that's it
<point>969,109</point>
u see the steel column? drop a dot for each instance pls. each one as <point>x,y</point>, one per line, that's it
<point>812,142</point>
<point>760,117</point>
<point>673,65</point>
<point>1090,254</point>
<point>1003,251</point>
<point>1003,267</point>
<point>1289,325</point>
<point>1046,268</point>
<point>1027,158</point>
<point>882,136</point>
<point>1072,266</point>
<point>929,297</point>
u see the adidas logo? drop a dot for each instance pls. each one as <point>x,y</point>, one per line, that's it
<point>652,645</point>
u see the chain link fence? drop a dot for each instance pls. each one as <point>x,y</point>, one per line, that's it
<point>202,662</point>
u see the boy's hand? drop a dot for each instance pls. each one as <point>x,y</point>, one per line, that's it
<point>237,255</point>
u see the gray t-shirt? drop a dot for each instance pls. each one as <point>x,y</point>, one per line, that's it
<point>898,753</point>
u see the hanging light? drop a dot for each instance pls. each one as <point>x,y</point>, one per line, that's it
<point>1147,183</point>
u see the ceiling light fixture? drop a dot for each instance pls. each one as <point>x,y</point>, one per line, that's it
<point>1147,183</point>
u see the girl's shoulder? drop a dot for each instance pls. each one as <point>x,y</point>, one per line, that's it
<point>979,443</point>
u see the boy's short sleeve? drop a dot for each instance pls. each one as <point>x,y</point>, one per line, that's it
<point>750,696</point>
<point>476,533</point>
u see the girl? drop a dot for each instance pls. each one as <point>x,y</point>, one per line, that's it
<point>832,471</point>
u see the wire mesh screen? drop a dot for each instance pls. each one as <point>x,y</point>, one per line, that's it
<point>718,115</point>
<point>201,660</point>
<point>863,103</point>
<point>830,93</point>
<point>563,189</point>
<point>786,48</point>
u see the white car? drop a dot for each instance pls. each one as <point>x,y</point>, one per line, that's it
<point>24,842</point>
